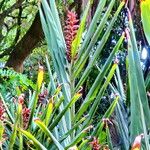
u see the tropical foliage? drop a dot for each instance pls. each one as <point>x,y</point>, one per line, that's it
<point>61,111</point>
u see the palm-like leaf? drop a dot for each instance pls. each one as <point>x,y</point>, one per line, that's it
<point>61,125</point>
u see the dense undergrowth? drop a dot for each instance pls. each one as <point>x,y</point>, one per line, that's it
<point>72,108</point>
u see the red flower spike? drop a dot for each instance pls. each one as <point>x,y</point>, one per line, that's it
<point>26,116</point>
<point>95,144</point>
<point>2,111</point>
<point>70,32</point>
<point>21,99</point>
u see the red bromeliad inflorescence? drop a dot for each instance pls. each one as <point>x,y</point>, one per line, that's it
<point>70,31</point>
<point>95,144</point>
<point>26,116</point>
<point>21,99</point>
<point>2,111</point>
<point>25,111</point>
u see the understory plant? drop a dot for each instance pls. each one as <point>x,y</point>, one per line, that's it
<point>48,116</point>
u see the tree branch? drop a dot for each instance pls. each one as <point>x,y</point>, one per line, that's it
<point>26,45</point>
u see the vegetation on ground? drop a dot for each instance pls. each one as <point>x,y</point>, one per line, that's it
<point>86,84</point>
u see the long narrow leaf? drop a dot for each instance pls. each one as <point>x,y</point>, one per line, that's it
<point>48,133</point>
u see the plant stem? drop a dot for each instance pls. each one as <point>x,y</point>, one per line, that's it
<point>72,83</point>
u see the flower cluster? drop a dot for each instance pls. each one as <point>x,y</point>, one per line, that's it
<point>21,99</point>
<point>25,111</point>
<point>2,111</point>
<point>26,116</point>
<point>70,31</point>
<point>42,98</point>
<point>95,144</point>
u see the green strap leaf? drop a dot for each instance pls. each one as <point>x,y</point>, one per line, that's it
<point>145,11</point>
<point>31,137</point>
<point>48,133</point>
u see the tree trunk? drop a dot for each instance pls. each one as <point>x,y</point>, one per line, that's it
<point>25,46</point>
